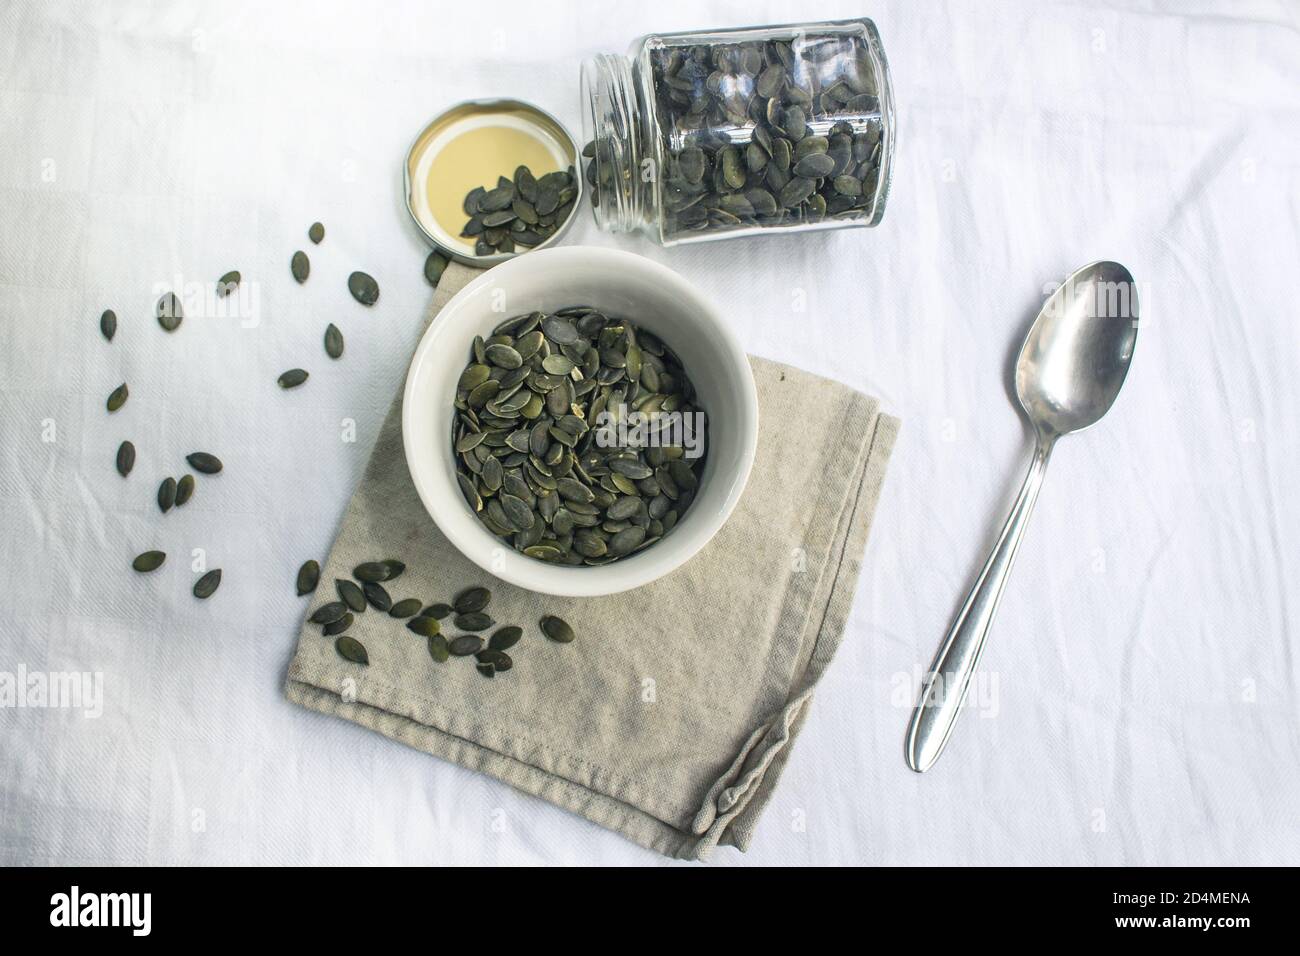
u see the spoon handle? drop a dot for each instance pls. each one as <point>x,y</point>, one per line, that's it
<point>949,676</point>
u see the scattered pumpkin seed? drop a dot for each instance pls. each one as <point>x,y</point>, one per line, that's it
<point>499,660</point>
<point>184,489</point>
<point>292,378</point>
<point>166,494</point>
<point>328,613</point>
<point>300,266</point>
<point>473,621</point>
<point>465,645</point>
<point>434,267</point>
<point>487,670</point>
<point>351,649</point>
<point>438,611</point>
<point>557,629</point>
<point>505,638</point>
<point>228,283</point>
<point>371,572</point>
<point>438,649</point>
<point>407,607</point>
<point>203,462</point>
<point>339,626</point>
<point>424,626</point>
<point>377,595</point>
<point>363,288</point>
<point>207,585</point>
<point>168,312</point>
<point>351,594</point>
<point>149,561</point>
<point>316,233</point>
<point>308,577</point>
<point>108,324</point>
<point>125,458</point>
<point>117,398</point>
<point>472,599</point>
<point>333,341</point>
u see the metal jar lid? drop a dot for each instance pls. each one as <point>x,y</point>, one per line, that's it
<point>459,119</point>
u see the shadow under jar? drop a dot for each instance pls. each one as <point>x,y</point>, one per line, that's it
<point>707,135</point>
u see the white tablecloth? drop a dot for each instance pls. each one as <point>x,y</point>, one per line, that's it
<point>1139,698</point>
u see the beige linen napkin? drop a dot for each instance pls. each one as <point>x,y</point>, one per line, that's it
<point>670,718</point>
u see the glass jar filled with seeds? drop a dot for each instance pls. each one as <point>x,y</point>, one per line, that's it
<point>705,135</point>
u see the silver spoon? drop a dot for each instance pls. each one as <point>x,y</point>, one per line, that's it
<point>1069,371</point>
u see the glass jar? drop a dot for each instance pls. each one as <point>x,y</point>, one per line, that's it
<point>706,135</point>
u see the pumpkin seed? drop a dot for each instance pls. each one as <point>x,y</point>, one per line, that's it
<point>499,660</point>
<point>465,645</point>
<point>166,495</point>
<point>424,626</point>
<point>557,629</point>
<point>395,567</point>
<point>149,561</point>
<point>372,572</point>
<point>377,596</point>
<point>505,638</point>
<point>300,266</point>
<point>438,611</point>
<point>207,585</point>
<point>108,324</point>
<point>525,210</point>
<point>328,613</point>
<point>117,398</point>
<point>473,621</point>
<point>487,670</point>
<point>350,649</point>
<point>168,312</point>
<point>125,458</point>
<point>339,626</point>
<point>407,607</point>
<point>333,341</point>
<point>292,378</point>
<point>434,266</point>
<point>471,599</point>
<point>363,288</point>
<point>438,649</point>
<point>184,489</point>
<point>308,577</point>
<point>203,462</point>
<point>228,283</point>
<point>316,232</point>
<point>351,594</point>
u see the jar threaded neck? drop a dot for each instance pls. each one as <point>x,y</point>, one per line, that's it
<point>616,125</point>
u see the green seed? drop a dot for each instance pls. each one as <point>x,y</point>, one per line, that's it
<point>308,577</point>
<point>168,312</point>
<point>438,611</point>
<point>407,607</point>
<point>351,594</point>
<point>207,585</point>
<point>228,283</point>
<point>473,621</point>
<point>472,599</point>
<point>125,458</point>
<point>292,378</point>
<point>184,489</point>
<point>377,595</point>
<point>438,649</point>
<point>300,266</point>
<point>203,462</point>
<point>465,645</point>
<point>557,629</point>
<point>363,288</point>
<point>395,568</point>
<point>499,660</point>
<point>424,626</point>
<point>339,626</point>
<point>505,638</point>
<point>333,341</point>
<point>371,571</point>
<point>166,495</point>
<point>149,561</point>
<point>328,613</point>
<point>434,267</point>
<point>108,324</point>
<point>487,670</point>
<point>316,233</point>
<point>117,398</point>
<point>351,649</point>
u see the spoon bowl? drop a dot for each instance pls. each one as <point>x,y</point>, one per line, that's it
<point>1070,370</point>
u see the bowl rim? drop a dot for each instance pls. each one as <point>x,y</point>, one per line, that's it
<point>503,562</point>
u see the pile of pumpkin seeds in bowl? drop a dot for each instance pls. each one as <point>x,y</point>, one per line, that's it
<point>524,211</point>
<point>577,436</point>
<point>760,133</point>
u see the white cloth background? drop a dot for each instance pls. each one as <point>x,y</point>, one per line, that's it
<point>1140,692</point>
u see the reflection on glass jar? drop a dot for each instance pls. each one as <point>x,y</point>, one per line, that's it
<point>697,136</point>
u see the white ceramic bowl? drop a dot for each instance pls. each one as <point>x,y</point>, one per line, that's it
<point>620,284</point>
